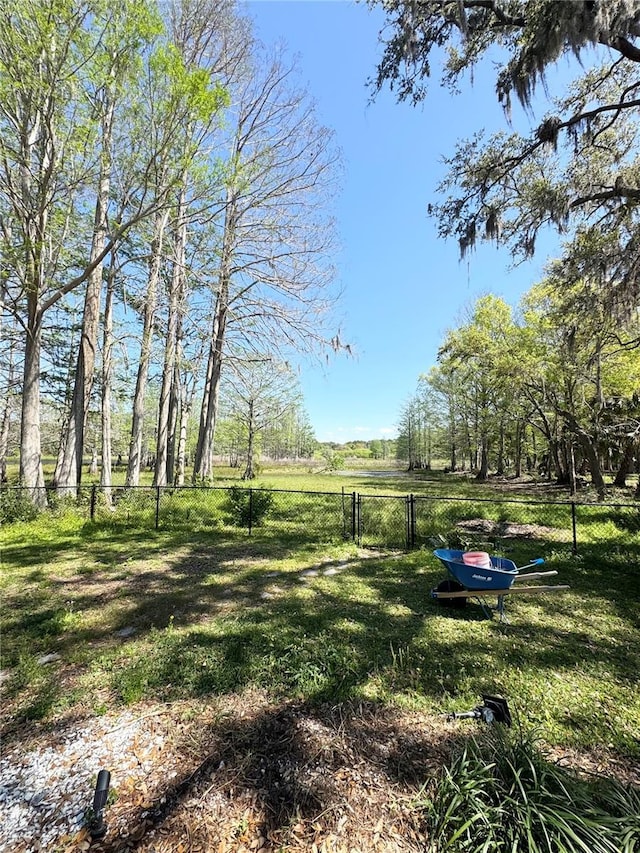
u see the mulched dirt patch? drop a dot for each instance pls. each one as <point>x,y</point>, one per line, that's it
<point>509,529</point>
<point>286,777</point>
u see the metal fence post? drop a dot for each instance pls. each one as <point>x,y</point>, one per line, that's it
<point>407,519</point>
<point>413,520</point>
<point>157,507</point>
<point>354,528</point>
<point>250,510</point>
<point>359,519</point>
<point>574,527</point>
<point>92,505</point>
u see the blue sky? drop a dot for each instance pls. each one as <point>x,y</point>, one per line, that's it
<point>403,287</point>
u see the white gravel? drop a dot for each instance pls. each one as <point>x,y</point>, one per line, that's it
<point>45,792</point>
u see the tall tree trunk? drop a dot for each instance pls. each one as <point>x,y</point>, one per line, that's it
<point>249,472</point>
<point>4,437</point>
<point>134,462</point>
<point>483,471</point>
<point>562,475</point>
<point>518,453</point>
<point>31,472</point>
<point>35,231</point>
<point>174,411</point>
<point>626,464</point>
<point>7,412</point>
<point>203,463</point>
<point>475,442</point>
<point>181,455</point>
<point>69,473</point>
<point>453,461</point>
<point>466,450</point>
<point>107,377</point>
<point>500,460</point>
<point>175,288</point>
<point>590,451</point>
<point>572,470</point>
<point>591,455</point>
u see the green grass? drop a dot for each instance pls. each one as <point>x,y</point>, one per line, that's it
<point>216,612</point>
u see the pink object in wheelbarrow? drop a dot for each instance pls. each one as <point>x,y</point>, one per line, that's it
<point>477,558</point>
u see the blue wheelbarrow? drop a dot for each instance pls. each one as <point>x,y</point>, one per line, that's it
<point>501,578</point>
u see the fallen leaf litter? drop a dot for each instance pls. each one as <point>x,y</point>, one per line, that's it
<point>193,778</point>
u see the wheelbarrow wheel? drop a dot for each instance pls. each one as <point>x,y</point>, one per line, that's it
<point>449,585</point>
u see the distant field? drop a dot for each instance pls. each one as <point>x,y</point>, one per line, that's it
<point>373,476</point>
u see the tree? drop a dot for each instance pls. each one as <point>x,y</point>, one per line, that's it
<point>447,385</point>
<point>375,448</point>
<point>42,136</point>
<point>420,428</point>
<point>585,371</point>
<point>258,393</point>
<point>9,384</point>
<point>579,165</point>
<point>51,171</point>
<point>184,102</point>
<point>274,268</point>
<point>214,51</point>
<point>480,350</point>
<point>290,437</point>
<point>124,31</point>
<point>533,33</point>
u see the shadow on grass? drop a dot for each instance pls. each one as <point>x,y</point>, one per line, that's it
<point>217,615</point>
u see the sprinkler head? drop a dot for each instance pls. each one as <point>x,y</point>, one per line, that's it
<point>98,828</point>
<point>498,708</point>
<point>493,710</point>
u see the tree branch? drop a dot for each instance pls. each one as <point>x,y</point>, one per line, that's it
<point>504,19</point>
<point>623,46</point>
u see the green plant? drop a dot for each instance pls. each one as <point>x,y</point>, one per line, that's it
<point>501,793</point>
<point>16,506</point>
<point>335,461</point>
<point>249,506</point>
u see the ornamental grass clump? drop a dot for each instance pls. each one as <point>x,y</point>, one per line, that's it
<point>501,794</point>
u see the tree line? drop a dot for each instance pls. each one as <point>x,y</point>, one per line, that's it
<point>556,385</point>
<point>548,389</point>
<point>165,234</point>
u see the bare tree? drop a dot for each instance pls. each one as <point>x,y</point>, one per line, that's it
<point>212,42</point>
<point>274,273</point>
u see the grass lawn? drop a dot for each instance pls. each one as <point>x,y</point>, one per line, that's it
<point>210,627</point>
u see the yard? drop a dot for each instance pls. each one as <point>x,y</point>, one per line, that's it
<point>271,693</point>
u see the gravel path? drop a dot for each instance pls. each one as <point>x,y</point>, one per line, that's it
<point>45,792</point>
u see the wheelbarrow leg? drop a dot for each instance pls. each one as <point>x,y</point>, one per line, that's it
<point>486,608</point>
<point>500,609</point>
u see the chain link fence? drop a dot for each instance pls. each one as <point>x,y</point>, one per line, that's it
<point>402,522</point>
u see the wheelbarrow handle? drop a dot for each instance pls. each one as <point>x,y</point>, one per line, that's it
<point>537,562</point>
